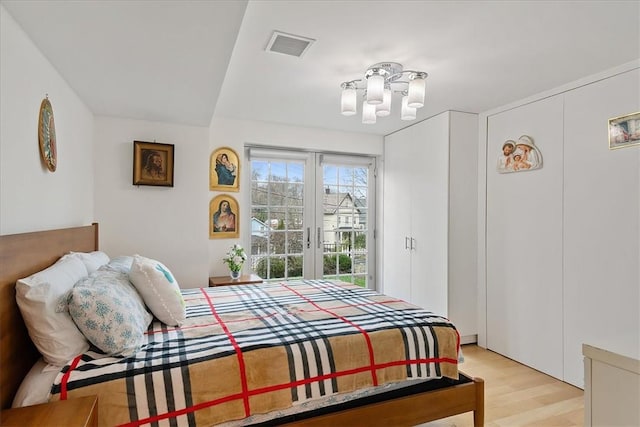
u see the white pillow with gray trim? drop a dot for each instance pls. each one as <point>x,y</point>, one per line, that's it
<point>42,299</point>
<point>92,260</point>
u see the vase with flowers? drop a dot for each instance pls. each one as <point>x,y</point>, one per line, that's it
<point>234,259</point>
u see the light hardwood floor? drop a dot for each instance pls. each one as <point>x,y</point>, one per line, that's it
<point>516,395</point>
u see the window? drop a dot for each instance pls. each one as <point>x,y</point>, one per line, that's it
<point>312,216</point>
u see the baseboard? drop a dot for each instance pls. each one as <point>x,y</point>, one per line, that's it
<point>469,339</point>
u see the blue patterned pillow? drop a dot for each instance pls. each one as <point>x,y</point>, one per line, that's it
<point>109,312</point>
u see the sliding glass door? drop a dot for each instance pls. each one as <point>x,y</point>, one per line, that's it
<point>312,216</point>
<point>281,205</point>
<point>347,221</point>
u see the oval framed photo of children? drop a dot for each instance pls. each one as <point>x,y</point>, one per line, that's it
<point>224,170</point>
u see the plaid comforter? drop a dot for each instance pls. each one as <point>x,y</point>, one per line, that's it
<point>246,350</point>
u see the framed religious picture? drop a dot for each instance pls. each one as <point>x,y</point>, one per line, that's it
<point>223,217</point>
<point>152,164</point>
<point>519,155</point>
<point>47,135</point>
<point>624,131</point>
<point>224,170</point>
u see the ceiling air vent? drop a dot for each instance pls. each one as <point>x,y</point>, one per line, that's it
<point>288,44</point>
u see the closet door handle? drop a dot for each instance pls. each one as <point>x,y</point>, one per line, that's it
<point>413,247</point>
<point>406,243</point>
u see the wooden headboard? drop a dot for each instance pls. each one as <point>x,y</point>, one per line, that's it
<point>22,255</point>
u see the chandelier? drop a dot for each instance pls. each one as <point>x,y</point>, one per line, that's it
<point>380,82</point>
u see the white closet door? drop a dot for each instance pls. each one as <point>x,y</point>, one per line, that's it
<point>601,225</point>
<point>416,214</point>
<point>398,153</point>
<point>524,240</point>
<point>430,214</point>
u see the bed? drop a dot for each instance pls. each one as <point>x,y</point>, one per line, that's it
<point>24,254</point>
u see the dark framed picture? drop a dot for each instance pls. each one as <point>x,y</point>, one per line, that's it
<point>152,164</point>
<point>224,217</point>
<point>624,131</point>
<point>224,170</point>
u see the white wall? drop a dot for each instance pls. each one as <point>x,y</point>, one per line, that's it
<point>165,223</point>
<point>31,197</point>
<point>582,262</point>
<point>171,224</point>
<point>238,133</point>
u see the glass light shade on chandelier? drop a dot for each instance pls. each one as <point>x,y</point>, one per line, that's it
<point>349,101</point>
<point>384,109</point>
<point>381,81</point>
<point>375,89</point>
<point>407,113</point>
<point>368,113</point>
<point>417,86</point>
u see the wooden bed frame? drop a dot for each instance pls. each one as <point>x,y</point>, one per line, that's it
<point>24,254</point>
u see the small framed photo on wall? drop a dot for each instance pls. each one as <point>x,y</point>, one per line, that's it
<point>224,170</point>
<point>624,131</point>
<point>223,217</point>
<point>519,155</point>
<point>152,164</point>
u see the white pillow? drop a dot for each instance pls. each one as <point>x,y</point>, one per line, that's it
<point>36,386</point>
<point>92,260</point>
<point>42,300</point>
<point>159,290</point>
<point>109,312</point>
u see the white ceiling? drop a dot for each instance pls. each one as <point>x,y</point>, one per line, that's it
<point>151,60</point>
<point>184,61</point>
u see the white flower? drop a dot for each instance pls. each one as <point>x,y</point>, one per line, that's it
<point>235,257</point>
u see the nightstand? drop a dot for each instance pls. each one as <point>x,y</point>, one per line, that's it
<point>245,279</point>
<point>79,412</point>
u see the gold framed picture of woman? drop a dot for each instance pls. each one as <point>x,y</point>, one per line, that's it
<point>224,170</point>
<point>223,217</point>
